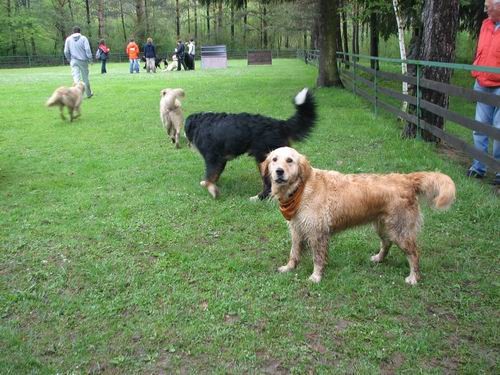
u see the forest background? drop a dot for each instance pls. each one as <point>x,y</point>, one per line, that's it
<point>39,27</point>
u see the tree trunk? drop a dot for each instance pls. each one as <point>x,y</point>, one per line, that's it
<point>232,24</point>
<point>220,14</point>
<point>374,39</point>
<point>315,33</point>
<point>189,17</point>
<point>264,27</point>
<point>70,6</point>
<point>328,72</point>
<point>33,46</point>
<point>196,20</point>
<point>13,45</point>
<point>177,20</point>
<point>339,32</point>
<point>402,49</point>
<point>355,31</point>
<point>89,28</point>
<point>146,20</point>
<point>245,22</point>
<point>440,21</point>
<point>345,37</point>
<point>100,19</point>
<point>208,19</point>
<point>123,22</point>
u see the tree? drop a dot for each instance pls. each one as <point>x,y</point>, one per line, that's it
<point>402,48</point>
<point>440,20</point>
<point>328,71</point>
<point>100,19</point>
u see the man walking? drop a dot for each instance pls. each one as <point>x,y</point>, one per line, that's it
<point>77,52</point>
<point>487,55</point>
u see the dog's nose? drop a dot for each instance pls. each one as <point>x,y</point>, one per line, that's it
<point>280,171</point>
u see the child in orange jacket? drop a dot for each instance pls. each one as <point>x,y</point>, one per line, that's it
<point>133,55</point>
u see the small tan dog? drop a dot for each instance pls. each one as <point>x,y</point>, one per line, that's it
<point>70,97</point>
<point>319,203</point>
<point>171,113</point>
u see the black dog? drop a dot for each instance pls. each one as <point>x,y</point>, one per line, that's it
<point>220,137</point>
<point>158,61</point>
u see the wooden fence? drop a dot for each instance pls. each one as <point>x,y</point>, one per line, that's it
<point>364,81</point>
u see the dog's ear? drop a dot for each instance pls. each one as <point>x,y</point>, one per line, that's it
<point>305,168</point>
<point>264,166</point>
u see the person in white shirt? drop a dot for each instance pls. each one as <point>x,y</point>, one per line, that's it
<point>191,53</point>
<point>77,52</point>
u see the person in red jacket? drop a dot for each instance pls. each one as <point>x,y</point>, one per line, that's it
<point>133,56</point>
<point>102,54</point>
<point>487,54</point>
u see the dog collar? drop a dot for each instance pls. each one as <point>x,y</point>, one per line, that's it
<point>290,207</point>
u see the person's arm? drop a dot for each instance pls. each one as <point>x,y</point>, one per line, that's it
<point>67,53</point>
<point>88,52</point>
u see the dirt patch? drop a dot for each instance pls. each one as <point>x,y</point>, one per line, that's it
<point>314,342</point>
<point>231,318</point>
<point>392,365</point>
<point>448,365</point>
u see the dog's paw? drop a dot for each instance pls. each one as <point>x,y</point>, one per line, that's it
<point>255,198</point>
<point>411,280</point>
<point>315,278</point>
<point>284,269</point>
<point>212,188</point>
<point>376,258</point>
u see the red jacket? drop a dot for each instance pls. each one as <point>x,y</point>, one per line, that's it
<point>488,54</point>
<point>132,50</point>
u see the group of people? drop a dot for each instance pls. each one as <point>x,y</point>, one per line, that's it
<point>180,57</point>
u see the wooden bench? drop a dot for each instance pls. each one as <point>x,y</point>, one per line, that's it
<point>260,57</point>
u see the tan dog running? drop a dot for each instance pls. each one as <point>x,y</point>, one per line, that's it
<point>70,97</point>
<point>171,113</point>
<point>319,203</point>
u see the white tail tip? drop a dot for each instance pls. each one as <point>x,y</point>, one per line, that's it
<point>300,98</point>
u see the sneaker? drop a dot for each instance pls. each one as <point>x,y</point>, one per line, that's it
<point>496,181</point>
<point>474,174</point>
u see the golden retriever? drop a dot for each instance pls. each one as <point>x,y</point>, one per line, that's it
<point>70,97</point>
<point>318,203</point>
<point>171,113</point>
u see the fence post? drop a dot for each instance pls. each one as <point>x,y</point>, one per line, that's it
<point>419,129</point>
<point>354,77</point>
<point>375,87</point>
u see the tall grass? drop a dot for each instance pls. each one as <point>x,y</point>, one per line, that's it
<point>113,259</point>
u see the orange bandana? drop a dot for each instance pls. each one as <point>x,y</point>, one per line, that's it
<point>289,207</point>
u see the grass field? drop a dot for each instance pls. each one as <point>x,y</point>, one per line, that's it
<point>114,260</point>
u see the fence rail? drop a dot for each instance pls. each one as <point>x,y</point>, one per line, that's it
<point>58,59</point>
<point>365,82</point>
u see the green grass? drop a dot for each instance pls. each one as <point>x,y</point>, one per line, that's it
<point>113,259</point>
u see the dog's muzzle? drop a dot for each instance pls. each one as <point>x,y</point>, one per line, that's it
<point>280,176</point>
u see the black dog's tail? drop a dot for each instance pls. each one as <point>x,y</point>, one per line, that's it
<point>300,125</point>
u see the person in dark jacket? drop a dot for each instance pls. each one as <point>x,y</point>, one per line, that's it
<point>181,50</point>
<point>150,55</point>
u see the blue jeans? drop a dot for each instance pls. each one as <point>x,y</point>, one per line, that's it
<point>489,115</point>
<point>134,65</point>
